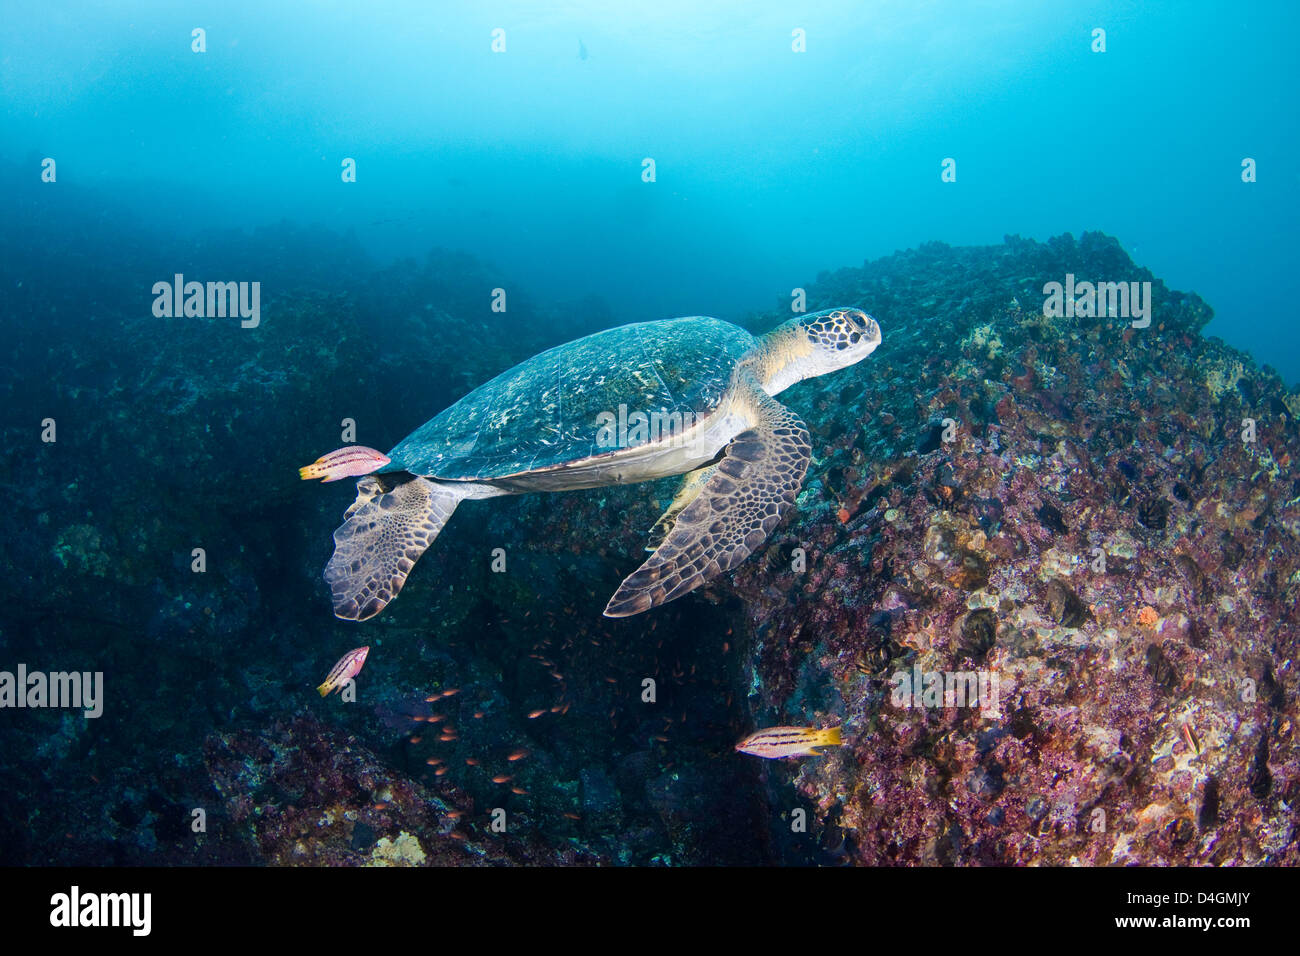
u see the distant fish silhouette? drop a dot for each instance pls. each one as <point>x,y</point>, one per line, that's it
<point>582,49</point>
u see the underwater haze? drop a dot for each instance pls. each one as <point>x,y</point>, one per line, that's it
<point>837,434</point>
<point>770,165</point>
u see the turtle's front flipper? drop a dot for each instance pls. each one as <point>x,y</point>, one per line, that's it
<point>687,492</point>
<point>732,514</point>
<point>386,531</point>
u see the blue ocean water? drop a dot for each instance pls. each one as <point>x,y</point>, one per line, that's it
<point>770,165</point>
<point>1103,515</point>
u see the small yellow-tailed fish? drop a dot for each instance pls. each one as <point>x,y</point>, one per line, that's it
<point>789,742</point>
<point>350,461</point>
<point>348,667</point>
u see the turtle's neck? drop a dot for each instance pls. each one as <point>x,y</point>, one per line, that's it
<point>781,357</point>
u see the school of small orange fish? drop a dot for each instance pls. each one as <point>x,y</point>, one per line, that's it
<point>770,743</point>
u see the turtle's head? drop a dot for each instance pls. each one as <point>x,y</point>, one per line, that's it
<point>818,343</point>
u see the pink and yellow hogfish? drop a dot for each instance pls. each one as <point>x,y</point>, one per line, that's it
<point>350,461</point>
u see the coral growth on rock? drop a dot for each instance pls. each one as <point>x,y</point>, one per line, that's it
<point>1103,517</point>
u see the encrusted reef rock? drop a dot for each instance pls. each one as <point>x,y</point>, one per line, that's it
<point>306,793</point>
<point>1102,517</point>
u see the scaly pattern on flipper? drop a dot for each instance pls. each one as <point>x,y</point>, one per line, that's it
<point>749,490</point>
<point>385,533</point>
<point>687,492</point>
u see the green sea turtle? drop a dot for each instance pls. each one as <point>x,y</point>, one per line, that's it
<point>689,396</point>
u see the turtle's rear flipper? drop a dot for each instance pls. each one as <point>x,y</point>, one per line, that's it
<point>386,531</point>
<point>739,504</point>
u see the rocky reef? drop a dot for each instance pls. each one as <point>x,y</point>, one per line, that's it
<point>1103,517</point>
